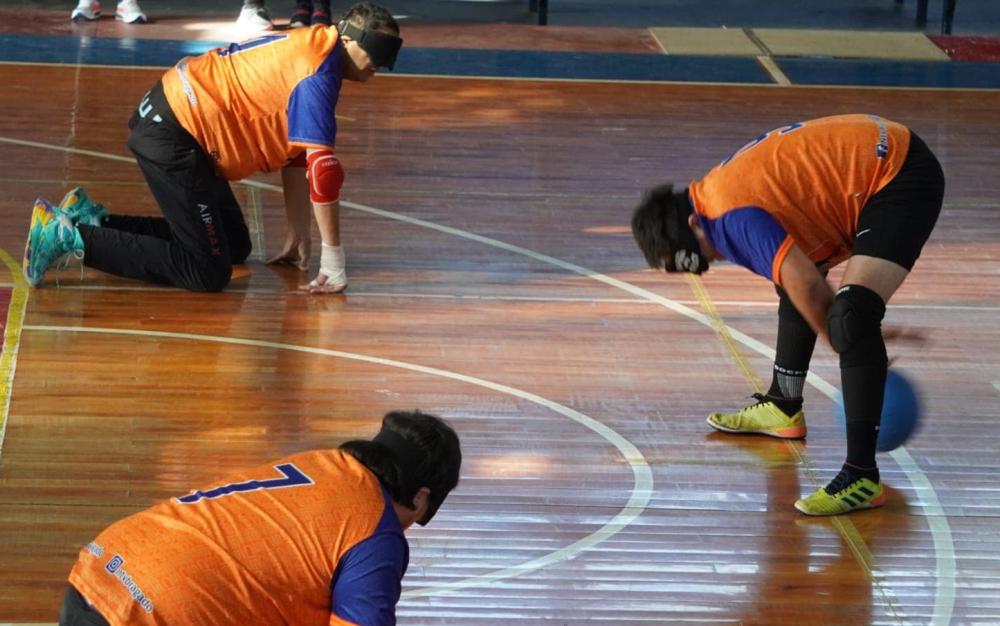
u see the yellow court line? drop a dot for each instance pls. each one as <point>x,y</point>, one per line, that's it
<point>847,530</point>
<point>701,294</point>
<point>11,337</point>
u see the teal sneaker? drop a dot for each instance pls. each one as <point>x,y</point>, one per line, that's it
<point>80,209</point>
<point>51,236</point>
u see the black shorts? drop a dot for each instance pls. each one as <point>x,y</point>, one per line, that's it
<point>896,222</point>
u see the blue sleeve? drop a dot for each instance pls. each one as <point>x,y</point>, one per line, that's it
<point>311,108</point>
<point>748,236</point>
<point>367,584</point>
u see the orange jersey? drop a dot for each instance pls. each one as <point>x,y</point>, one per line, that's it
<point>805,183</point>
<point>265,546</point>
<point>255,104</point>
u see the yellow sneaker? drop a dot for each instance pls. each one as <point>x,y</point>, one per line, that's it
<point>763,418</point>
<point>843,495</point>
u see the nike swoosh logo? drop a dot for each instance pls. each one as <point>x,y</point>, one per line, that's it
<point>862,232</point>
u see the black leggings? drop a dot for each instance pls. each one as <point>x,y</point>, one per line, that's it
<point>202,232</point>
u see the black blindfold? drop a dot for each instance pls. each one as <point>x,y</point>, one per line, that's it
<point>685,252</point>
<point>381,47</point>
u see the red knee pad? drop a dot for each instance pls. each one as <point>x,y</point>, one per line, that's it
<point>326,176</point>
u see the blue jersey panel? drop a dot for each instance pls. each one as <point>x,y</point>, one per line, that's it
<point>367,583</point>
<point>312,105</point>
<point>748,236</point>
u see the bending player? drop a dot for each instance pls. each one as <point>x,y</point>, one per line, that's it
<point>788,206</point>
<point>257,106</point>
<point>314,538</point>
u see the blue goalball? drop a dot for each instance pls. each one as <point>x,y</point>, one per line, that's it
<point>900,412</point>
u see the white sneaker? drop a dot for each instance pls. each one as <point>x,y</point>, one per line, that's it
<point>129,12</point>
<point>254,18</point>
<point>86,11</point>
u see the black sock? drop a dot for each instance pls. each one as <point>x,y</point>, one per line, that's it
<point>848,474</point>
<point>790,406</point>
<point>794,350</point>
<point>871,473</point>
<point>865,388</point>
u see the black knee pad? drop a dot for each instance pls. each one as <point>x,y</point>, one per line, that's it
<point>854,324</point>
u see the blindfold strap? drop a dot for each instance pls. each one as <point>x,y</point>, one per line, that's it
<point>409,457</point>
<point>408,454</point>
<point>381,47</point>
<point>687,255</point>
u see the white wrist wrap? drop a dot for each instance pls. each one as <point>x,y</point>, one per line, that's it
<point>332,265</point>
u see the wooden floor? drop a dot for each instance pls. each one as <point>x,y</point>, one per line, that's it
<point>494,282</point>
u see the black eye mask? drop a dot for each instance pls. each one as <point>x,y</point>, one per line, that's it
<point>381,47</point>
<point>686,254</point>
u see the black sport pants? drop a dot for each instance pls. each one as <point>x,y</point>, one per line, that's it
<point>202,232</point>
<point>76,612</point>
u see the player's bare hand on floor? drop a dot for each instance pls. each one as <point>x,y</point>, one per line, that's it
<point>294,253</point>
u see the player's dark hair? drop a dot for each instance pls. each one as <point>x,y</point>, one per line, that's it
<point>412,450</point>
<point>661,229</point>
<point>370,16</point>
<point>649,224</point>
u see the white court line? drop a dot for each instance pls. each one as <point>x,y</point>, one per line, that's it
<point>944,547</point>
<point>360,293</point>
<point>642,487</point>
<point>256,225</point>
<point>659,43</point>
<point>49,146</point>
<point>773,70</point>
